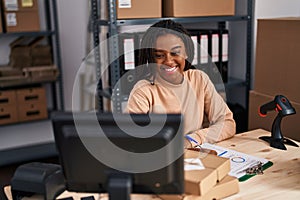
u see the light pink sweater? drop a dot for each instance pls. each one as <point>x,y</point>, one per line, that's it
<point>195,98</point>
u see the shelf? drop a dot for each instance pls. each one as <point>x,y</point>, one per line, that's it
<point>180,20</point>
<point>39,33</point>
<point>26,141</point>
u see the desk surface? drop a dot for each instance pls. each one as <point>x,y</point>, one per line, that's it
<point>280,181</point>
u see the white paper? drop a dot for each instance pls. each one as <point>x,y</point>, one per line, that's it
<point>203,49</point>
<point>225,47</point>
<point>11,19</point>
<point>193,164</point>
<point>195,60</point>
<point>129,54</point>
<point>215,48</point>
<point>11,5</point>
<point>124,4</point>
<point>239,162</point>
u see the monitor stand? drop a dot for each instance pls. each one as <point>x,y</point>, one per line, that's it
<point>119,187</point>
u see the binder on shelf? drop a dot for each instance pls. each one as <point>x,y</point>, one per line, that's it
<point>196,42</point>
<point>204,51</point>
<point>214,52</point>
<point>128,51</point>
<point>224,46</point>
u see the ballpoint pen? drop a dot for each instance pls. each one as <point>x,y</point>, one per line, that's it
<point>192,140</point>
<point>198,147</point>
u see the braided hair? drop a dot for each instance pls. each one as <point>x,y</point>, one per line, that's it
<point>146,59</point>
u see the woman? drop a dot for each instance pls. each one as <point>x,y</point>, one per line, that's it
<point>169,85</point>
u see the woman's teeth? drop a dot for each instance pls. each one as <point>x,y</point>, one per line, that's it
<point>170,69</point>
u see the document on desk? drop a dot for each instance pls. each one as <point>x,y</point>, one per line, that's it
<point>239,162</point>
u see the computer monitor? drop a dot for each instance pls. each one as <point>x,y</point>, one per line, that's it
<point>120,154</point>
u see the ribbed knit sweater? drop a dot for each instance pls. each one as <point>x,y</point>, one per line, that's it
<point>195,98</point>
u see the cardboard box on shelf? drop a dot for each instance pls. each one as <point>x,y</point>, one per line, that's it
<point>8,109</point>
<point>133,9</point>
<point>277,57</point>
<point>7,98</point>
<point>290,124</point>
<point>34,95</point>
<point>8,114</point>
<point>21,16</point>
<point>29,112</point>
<point>32,104</point>
<point>28,51</point>
<point>194,8</point>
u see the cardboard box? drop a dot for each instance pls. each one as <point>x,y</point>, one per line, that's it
<point>35,95</point>
<point>199,182</point>
<point>197,8</point>
<point>29,112</point>
<point>133,9</point>
<point>221,165</point>
<point>226,187</point>
<point>21,16</point>
<point>8,114</point>
<point>32,104</point>
<point>27,52</point>
<point>41,73</point>
<point>8,109</point>
<point>7,98</point>
<point>277,57</point>
<point>290,124</point>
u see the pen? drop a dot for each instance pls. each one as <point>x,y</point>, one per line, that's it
<point>192,140</point>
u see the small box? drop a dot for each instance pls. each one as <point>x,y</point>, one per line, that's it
<point>41,73</point>
<point>277,57</point>
<point>226,187</point>
<point>29,112</point>
<point>7,98</point>
<point>199,182</point>
<point>197,8</point>
<point>35,95</point>
<point>21,16</point>
<point>290,124</point>
<point>133,9</point>
<point>8,114</point>
<point>221,165</point>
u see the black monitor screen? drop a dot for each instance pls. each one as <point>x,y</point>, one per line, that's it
<point>99,151</point>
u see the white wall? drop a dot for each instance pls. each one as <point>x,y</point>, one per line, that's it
<point>73,18</point>
<point>273,9</point>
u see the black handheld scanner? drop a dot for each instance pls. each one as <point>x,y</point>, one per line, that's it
<point>280,103</point>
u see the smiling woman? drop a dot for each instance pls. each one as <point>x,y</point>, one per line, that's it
<point>167,84</point>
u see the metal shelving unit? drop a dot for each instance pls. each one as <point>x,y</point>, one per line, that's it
<point>51,33</point>
<point>244,14</point>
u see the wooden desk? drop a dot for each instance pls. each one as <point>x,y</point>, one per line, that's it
<point>280,181</point>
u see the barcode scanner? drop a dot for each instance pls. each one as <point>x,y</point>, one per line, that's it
<point>284,108</point>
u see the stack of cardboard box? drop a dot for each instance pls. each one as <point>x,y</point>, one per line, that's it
<point>276,72</point>
<point>212,182</point>
<point>22,105</point>
<point>134,9</point>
